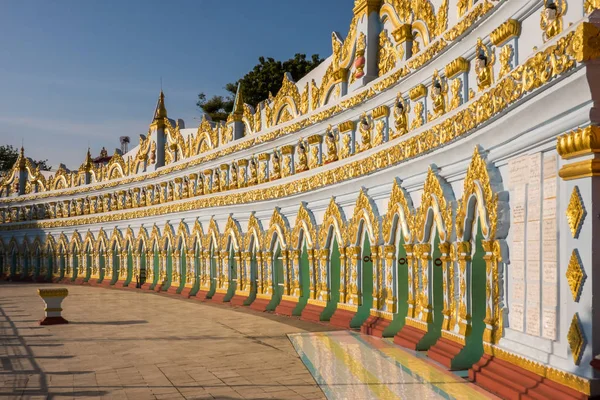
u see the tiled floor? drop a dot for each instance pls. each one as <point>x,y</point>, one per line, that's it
<point>348,365</point>
<point>132,345</point>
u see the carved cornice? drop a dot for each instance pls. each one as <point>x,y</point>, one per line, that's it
<point>508,30</point>
<point>456,66</point>
<point>417,92</point>
<point>368,6</point>
<point>586,43</point>
<point>346,126</point>
<point>381,111</point>
<point>579,142</point>
<point>314,139</point>
<point>403,33</point>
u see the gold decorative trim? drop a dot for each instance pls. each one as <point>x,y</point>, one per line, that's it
<point>382,314</point>
<point>508,30</point>
<point>561,377</point>
<point>420,325</point>
<point>417,92</point>
<point>366,6</point>
<point>315,302</point>
<point>579,142</point>
<point>347,307</point>
<point>487,105</point>
<point>575,275</point>
<point>292,299</point>
<point>575,212</point>
<point>403,33</point>
<point>263,296</point>
<point>381,111</point>
<point>580,169</point>
<point>586,45</point>
<point>456,338</point>
<point>287,149</point>
<point>456,66</point>
<point>315,139</point>
<point>53,292</point>
<point>346,126</point>
<point>576,339</point>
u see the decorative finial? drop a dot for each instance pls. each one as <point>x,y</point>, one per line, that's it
<point>161,111</point>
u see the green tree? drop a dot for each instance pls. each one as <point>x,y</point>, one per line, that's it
<point>266,77</point>
<point>8,158</point>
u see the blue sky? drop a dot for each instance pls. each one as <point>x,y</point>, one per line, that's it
<point>79,73</point>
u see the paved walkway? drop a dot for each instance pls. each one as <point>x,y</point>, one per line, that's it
<point>349,365</point>
<point>132,345</point>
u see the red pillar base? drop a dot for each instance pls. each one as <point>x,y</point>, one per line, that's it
<point>173,290</point>
<point>375,326</point>
<point>185,292</point>
<point>159,287</point>
<point>79,281</point>
<point>260,304</point>
<point>511,382</point>
<point>53,321</point>
<point>341,318</point>
<point>312,313</point>
<point>409,337</point>
<point>120,284</point>
<point>218,297</point>
<point>105,283</point>
<point>238,300</point>
<point>146,285</point>
<point>202,295</point>
<point>286,307</point>
<point>444,351</point>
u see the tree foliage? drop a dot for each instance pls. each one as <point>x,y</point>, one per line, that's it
<point>9,156</point>
<point>266,77</point>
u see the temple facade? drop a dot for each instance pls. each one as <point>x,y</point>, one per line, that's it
<point>435,180</point>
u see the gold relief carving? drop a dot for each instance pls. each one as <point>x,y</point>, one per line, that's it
<point>455,92</point>
<point>53,292</point>
<point>483,65</point>
<point>506,55</point>
<point>388,55</point>
<point>331,140</point>
<point>575,275</point>
<point>551,18</point>
<point>509,89</point>
<point>456,67</point>
<point>401,109</point>
<point>365,126</point>
<point>576,339</point>
<point>476,12</point>
<point>403,33</point>
<point>302,157</point>
<point>418,118</point>
<point>346,126</point>
<point>591,5</point>
<point>417,92</point>
<point>579,142</point>
<point>381,111</point>
<point>564,378</point>
<point>439,91</point>
<point>506,31</point>
<point>576,212</point>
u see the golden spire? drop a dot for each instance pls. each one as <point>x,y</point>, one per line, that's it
<point>238,104</point>
<point>22,159</point>
<point>88,160</point>
<point>161,111</point>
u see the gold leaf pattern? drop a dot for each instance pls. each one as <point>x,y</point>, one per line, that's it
<point>575,275</point>
<point>575,212</point>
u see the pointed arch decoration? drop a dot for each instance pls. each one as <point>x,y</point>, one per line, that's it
<point>102,241</point>
<point>434,198</point>
<point>142,239</point>
<point>305,224</point>
<point>49,244</point>
<point>129,239</point>
<point>116,167</point>
<point>364,210</point>
<point>206,137</point>
<point>212,235</point>
<point>254,234</point>
<point>88,242</point>
<point>477,187</point>
<point>232,231</point>
<point>278,226</point>
<point>334,216</point>
<point>116,238</point>
<point>25,246</point>
<point>75,241</point>
<point>197,236</point>
<point>36,245</point>
<point>418,13</point>
<point>400,206</point>
<point>168,237</point>
<point>183,236</point>
<point>13,246</point>
<point>287,104</point>
<point>63,243</point>
<point>155,238</point>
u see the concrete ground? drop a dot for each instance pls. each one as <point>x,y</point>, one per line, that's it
<point>138,345</point>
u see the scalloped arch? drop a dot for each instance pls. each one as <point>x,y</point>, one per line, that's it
<point>116,238</point>
<point>278,229</point>
<point>183,236</point>
<point>49,244</point>
<point>477,186</point>
<point>155,238</point>
<point>433,199</point>
<point>75,241</point>
<point>88,242</point>
<point>101,241</point>
<point>364,210</point>
<point>168,237</point>
<point>334,216</point>
<point>13,246</point>
<point>232,230</point>
<point>400,206</point>
<point>197,236</point>
<point>63,243</point>
<point>254,234</point>
<point>212,236</point>
<point>305,223</point>
<point>142,239</point>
